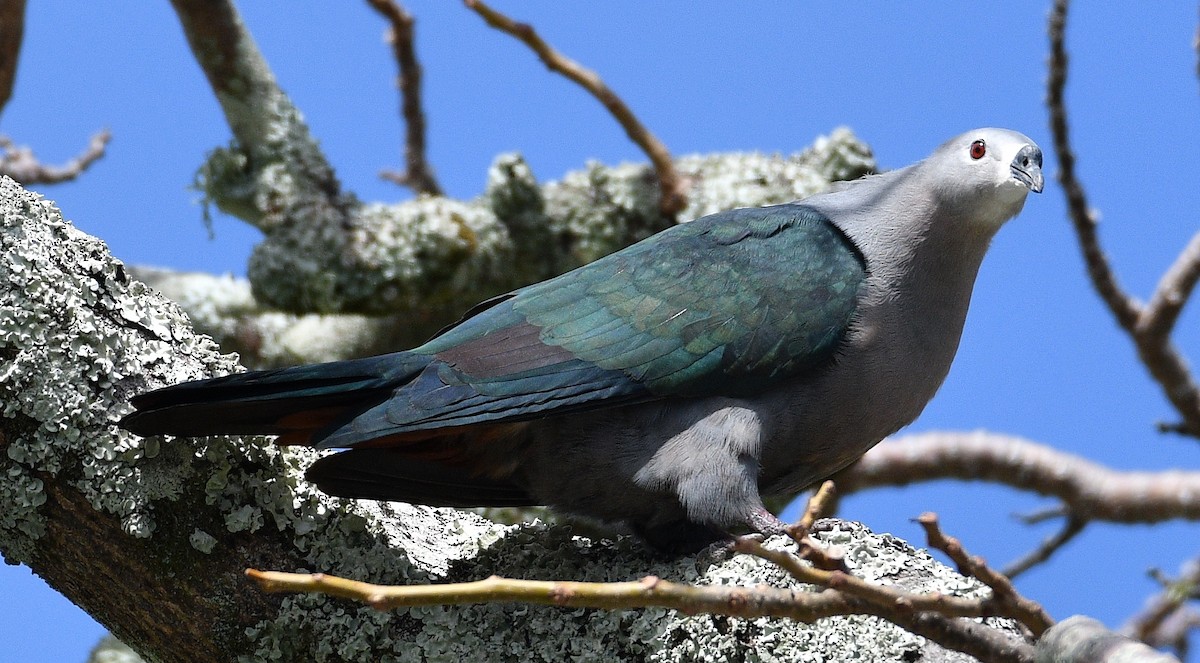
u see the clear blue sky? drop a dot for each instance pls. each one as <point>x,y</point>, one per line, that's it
<point>1039,358</point>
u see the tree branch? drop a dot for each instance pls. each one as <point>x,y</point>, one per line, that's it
<point>933,615</point>
<point>673,187</point>
<point>1165,621</point>
<point>12,32</point>
<point>1009,602</point>
<point>1089,491</point>
<point>1147,326</point>
<point>418,175</point>
<point>1158,318</point>
<point>1047,548</point>
<point>20,163</point>
<point>1081,639</point>
<point>1124,307</point>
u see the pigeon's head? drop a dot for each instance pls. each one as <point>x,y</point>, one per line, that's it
<point>992,169</point>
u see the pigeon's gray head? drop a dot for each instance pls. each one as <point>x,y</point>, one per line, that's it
<point>989,170</point>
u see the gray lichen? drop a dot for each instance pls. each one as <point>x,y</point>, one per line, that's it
<point>422,262</point>
<point>112,650</point>
<point>514,632</point>
<point>225,308</point>
<point>326,252</point>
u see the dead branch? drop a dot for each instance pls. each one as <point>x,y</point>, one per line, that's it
<point>1020,608</point>
<point>1166,620</point>
<point>930,615</point>
<point>934,615</point>
<point>418,175</point>
<point>1148,326</point>
<point>1047,548</point>
<point>20,163</point>
<point>672,186</point>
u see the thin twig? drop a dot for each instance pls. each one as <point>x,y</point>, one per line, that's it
<point>672,186</point>
<point>1175,593</point>
<point>418,175</point>
<point>1166,621</point>
<point>809,549</point>
<point>1043,514</point>
<point>1124,307</point>
<point>818,506</point>
<point>1089,490</point>
<point>746,602</point>
<point>1024,610</point>
<point>22,165</point>
<point>1147,326</point>
<point>1048,547</point>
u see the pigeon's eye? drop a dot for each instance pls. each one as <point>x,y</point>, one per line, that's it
<point>978,149</point>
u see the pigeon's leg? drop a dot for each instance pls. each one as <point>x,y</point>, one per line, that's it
<point>766,523</point>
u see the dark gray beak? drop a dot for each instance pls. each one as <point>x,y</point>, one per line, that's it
<point>1027,168</point>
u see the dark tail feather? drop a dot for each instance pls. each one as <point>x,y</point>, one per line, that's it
<point>388,475</point>
<point>272,402</point>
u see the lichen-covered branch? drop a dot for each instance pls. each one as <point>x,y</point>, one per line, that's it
<point>1148,326</point>
<point>1088,490</point>
<point>170,524</point>
<point>224,308</point>
<point>733,601</point>
<point>417,175</point>
<point>1084,640</point>
<point>1166,621</point>
<point>672,186</point>
<point>327,252</point>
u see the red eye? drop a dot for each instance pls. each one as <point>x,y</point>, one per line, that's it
<point>978,149</point>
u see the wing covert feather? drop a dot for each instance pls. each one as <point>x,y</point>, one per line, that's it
<point>728,304</point>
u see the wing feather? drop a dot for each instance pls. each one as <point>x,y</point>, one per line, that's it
<point>727,304</point>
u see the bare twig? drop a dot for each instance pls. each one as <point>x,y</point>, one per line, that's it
<point>1165,621</point>
<point>1161,314</point>
<point>418,175</point>
<point>19,162</point>
<point>1148,326</point>
<point>1043,514</point>
<point>12,32</point>
<point>809,549</point>
<point>747,602</point>
<point>673,188</point>
<point>1048,547</point>
<point>1089,490</point>
<point>819,506</point>
<point>1024,610</point>
<point>1124,307</point>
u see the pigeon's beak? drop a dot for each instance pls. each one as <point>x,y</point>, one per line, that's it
<point>1027,168</point>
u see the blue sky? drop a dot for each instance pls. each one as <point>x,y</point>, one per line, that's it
<point>1040,357</point>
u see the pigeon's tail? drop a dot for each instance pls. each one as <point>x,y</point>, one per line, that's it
<point>395,475</point>
<point>294,403</point>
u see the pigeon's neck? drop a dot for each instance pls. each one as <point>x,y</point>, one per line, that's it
<point>922,259</point>
<point>916,244</point>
